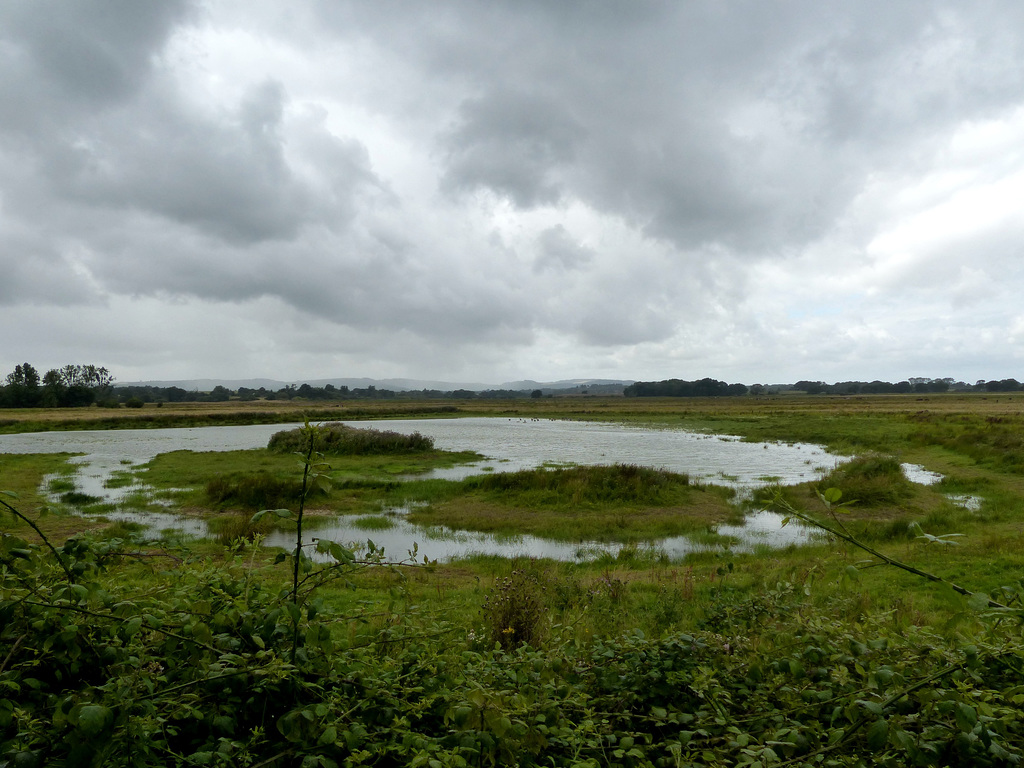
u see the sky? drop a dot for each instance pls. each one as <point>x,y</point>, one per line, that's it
<point>757,192</point>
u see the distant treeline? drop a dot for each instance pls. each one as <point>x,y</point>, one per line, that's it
<point>680,388</point>
<point>147,394</point>
<point>715,388</point>
<point>905,387</point>
<point>83,385</point>
<point>67,387</point>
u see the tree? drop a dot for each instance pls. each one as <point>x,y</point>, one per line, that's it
<point>22,390</point>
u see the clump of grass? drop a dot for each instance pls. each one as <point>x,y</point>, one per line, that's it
<point>340,440</point>
<point>587,485</point>
<point>253,491</point>
<point>230,530</point>
<point>78,499</point>
<point>61,485</point>
<point>119,479</point>
<point>121,529</point>
<point>872,480</point>
<point>373,523</point>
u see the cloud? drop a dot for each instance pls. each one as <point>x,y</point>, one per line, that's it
<point>511,143</point>
<point>507,189</point>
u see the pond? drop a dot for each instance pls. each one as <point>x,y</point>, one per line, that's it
<point>508,444</point>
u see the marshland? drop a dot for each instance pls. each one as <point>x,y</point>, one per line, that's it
<point>236,647</point>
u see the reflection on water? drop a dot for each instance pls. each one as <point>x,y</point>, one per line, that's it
<point>509,444</point>
<point>443,544</point>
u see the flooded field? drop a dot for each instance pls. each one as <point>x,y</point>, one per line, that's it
<point>508,444</point>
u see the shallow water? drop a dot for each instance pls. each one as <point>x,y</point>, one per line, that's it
<point>514,444</point>
<point>509,444</point>
<point>443,544</point>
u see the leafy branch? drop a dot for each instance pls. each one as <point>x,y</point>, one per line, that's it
<point>830,499</point>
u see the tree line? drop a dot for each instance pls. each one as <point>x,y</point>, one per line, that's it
<point>916,385</point>
<point>67,387</point>
<point>680,388</point>
<point>713,388</point>
<point>150,394</point>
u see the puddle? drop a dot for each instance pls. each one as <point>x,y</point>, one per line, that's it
<point>918,474</point>
<point>967,501</point>
<point>915,473</point>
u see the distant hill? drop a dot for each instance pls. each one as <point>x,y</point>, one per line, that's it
<point>600,386</point>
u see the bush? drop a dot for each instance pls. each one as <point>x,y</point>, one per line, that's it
<point>253,491</point>
<point>598,484</point>
<point>871,480</point>
<point>340,440</point>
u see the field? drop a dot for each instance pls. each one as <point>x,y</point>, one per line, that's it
<point>224,652</point>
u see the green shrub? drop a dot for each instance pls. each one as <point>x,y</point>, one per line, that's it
<point>870,480</point>
<point>340,440</point>
<point>599,484</point>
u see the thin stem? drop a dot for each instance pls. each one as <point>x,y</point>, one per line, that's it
<point>311,434</point>
<point>46,541</point>
<point>791,510</point>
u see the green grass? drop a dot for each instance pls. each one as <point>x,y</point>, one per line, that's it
<point>373,523</point>
<point>604,503</point>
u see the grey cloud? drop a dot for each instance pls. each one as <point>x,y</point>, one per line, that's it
<point>513,143</point>
<point>61,57</point>
<point>679,143</point>
<point>230,179</point>
<point>638,110</point>
<point>558,251</point>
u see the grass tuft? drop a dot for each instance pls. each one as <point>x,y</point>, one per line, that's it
<point>871,480</point>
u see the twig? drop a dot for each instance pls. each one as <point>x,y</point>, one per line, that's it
<point>791,510</point>
<point>46,541</point>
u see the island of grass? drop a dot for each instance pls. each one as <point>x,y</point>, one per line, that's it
<point>620,502</point>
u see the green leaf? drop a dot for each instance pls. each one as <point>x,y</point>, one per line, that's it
<point>132,627</point>
<point>871,706</point>
<point>93,718</point>
<point>966,717</point>
<point>878,735</point>
<point>978,601</point>
<point>340,553</point>
<point>832,495</point>
<point>10,494</point>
